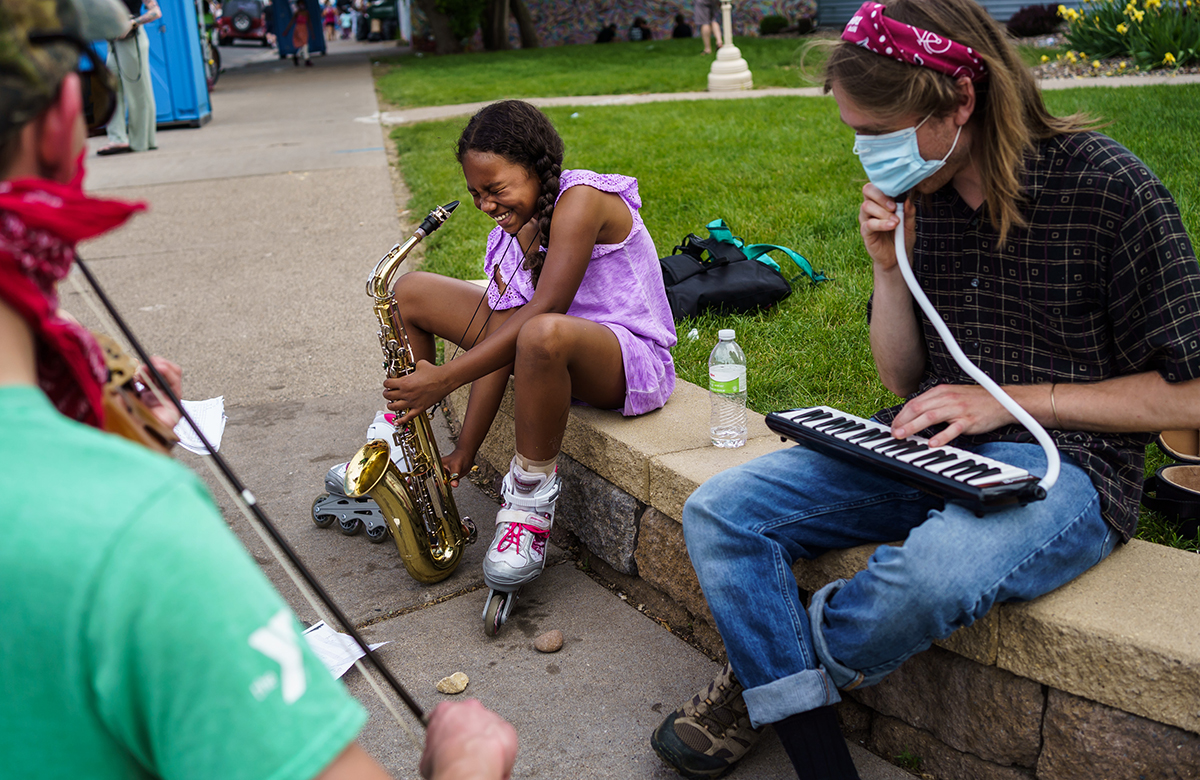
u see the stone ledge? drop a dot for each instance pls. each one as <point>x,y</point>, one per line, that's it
<point>1124,634</point>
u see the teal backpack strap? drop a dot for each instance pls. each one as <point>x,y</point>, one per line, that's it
<point>719,231</point>
<point>759,252</point>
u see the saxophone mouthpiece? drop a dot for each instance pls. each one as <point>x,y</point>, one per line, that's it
<point>436,217</point>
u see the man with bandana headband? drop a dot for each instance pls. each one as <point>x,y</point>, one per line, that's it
<point>140,640</point>
<point>1061,266</point>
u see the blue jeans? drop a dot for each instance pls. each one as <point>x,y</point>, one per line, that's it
<point>745,527</point>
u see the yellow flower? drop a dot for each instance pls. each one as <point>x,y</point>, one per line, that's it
<point>1169,59</point>
<point>1138,16</point>
<point>1096,64</point>
<point>1122,28</point>
<point>1045,58</point>
<point>1062,10</point>
<point>1122,65</point>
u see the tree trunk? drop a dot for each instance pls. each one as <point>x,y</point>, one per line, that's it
<point>495,25</point>
<point>443,34</point>
<point>529,36</point>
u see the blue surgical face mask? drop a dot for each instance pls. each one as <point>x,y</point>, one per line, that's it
<point>893,161</point>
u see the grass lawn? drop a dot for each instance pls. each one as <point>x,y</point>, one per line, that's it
<point>588,69</point>
<point>780,171</point>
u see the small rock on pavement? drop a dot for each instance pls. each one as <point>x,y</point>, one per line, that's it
<point>549,642</point>
<point>455,683</point>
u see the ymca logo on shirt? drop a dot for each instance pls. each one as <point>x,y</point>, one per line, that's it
<point>278,641</point>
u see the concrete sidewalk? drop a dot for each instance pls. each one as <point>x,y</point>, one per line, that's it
<point>249,270</point>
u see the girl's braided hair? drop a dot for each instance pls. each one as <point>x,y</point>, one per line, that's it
<point>523,135</point>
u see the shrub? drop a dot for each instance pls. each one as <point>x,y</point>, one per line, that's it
<point>1153,36</point>
<point>772,24</point>
<point>1034,20</point>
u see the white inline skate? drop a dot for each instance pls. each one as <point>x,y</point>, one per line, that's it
<point>518,551</point>
<point>351,514</point>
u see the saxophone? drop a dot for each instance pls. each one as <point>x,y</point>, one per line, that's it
<point>416,504</point>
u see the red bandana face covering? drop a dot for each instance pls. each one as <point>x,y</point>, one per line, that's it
<point>40,223</point>
<point>875,32</point>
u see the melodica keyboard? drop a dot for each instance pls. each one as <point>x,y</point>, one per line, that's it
<point>977,482</point>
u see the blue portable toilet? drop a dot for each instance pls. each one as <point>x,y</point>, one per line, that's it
<point>176,67</point>
<point>283,18</point>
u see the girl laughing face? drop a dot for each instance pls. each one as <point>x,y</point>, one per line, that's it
<point>505,191</point>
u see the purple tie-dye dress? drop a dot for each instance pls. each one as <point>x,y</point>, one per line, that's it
<point>622,290</point>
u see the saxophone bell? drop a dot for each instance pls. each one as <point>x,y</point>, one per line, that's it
<point>414,506</point>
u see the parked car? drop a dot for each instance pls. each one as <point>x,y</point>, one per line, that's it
<point>242,19</point>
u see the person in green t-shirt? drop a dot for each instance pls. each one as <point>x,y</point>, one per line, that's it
<point>139,639</point>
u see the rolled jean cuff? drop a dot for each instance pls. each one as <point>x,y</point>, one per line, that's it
<point>842,676</point>
<point>790,695</point>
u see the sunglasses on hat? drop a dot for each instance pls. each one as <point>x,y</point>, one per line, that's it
<point>97,81</point>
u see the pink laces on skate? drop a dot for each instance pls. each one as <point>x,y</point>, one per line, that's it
<point>512,537</point>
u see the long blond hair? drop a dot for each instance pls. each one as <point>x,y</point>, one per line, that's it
<point>1009,118</point>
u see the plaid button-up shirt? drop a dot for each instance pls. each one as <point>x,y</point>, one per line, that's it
<point>1101,283</point>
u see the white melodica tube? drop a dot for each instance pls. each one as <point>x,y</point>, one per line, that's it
<point>1053,460</point>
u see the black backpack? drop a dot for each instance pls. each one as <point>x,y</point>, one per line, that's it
<point>733,278</point>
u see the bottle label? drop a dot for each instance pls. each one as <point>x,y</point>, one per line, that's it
<point>727,378</point>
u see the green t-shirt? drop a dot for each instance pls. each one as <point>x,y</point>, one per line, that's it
<point>137,637</point>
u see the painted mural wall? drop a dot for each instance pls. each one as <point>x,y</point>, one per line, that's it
<point>577,21</point>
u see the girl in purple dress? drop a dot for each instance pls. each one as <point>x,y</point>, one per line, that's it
<point>574,309</point>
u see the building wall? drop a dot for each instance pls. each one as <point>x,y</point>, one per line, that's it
<point>565,22</point>
<point>561,22</point>
<point>835,13</point>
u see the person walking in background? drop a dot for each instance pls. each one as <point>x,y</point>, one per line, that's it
<point>298,28</point>
<point>269,19</point>
<point>330,18</point>
<point>682,28</point>
<point>346,20</point>
<point>129,58</point>
<point>706,14</point>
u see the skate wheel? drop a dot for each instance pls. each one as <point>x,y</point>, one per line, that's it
<point>378,534</point>
<point>493,617</point>
<point>350,526</point>
<point>321,520</point>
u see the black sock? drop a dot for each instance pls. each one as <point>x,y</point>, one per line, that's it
<point>815,744</point>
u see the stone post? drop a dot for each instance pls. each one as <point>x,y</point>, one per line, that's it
<point>729,70</point>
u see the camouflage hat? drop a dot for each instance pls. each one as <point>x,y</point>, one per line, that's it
<point>30,74</point>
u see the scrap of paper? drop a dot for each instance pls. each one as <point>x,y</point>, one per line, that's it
<point>337,651</point>
<point>210,418</point>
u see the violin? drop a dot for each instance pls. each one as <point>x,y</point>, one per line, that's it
<point>125,413</point>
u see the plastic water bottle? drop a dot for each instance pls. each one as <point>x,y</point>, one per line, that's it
<point>727,391</point>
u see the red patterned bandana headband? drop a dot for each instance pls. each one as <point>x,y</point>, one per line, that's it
<point>875,32</point>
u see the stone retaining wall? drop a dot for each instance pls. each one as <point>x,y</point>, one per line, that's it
<point>1099,679</point>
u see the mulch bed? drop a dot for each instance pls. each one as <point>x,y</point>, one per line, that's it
<point>1089,68</point>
